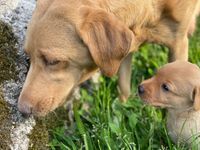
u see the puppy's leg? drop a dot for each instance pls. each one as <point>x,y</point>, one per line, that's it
<point>124,81</point>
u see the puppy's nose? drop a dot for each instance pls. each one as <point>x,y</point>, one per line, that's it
<point>141,89</point>
<point>25,109</point>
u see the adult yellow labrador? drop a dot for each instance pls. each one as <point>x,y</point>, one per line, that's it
<point>68,40</point>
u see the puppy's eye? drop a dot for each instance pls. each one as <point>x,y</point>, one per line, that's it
<point>165,87</point>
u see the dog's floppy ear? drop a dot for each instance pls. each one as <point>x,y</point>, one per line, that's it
<point>196,98</point>
<point>41,7</point>
<point>107,38</point>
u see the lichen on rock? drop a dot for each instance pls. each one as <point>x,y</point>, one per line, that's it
<point>8,56</point>
<point>4,124</point>
<point>8,53</point>
<point>44,126</point>
<point>38,134</point>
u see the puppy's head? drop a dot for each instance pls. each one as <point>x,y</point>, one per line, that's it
<point>66,44</point>
<point>176,85</point>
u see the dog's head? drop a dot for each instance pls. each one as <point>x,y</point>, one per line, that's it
<point>66,44</point>
<point>176,85</point>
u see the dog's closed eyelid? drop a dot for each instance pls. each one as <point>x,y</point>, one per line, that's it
<point>55,64</point>
<point>49,62</point>
<point>52,62</point>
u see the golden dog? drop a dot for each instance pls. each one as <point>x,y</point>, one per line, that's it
<point>68,40</point>
<point>176,87</point>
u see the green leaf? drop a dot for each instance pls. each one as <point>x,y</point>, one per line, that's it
<point>114,128</point>
<point>133,120</point>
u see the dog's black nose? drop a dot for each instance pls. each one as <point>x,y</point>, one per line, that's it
<point>141,89</point>
<point>25,114</point>
<point>25,110</point>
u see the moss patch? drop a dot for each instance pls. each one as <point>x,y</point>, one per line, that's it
<point>39,138</point>
<point>57,118</point>
<point>8,56</point>
<point>8,53</point>
<point>4,124</point>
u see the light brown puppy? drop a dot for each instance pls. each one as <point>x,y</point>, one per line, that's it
<point>176,87</point>
<point>68,40</point>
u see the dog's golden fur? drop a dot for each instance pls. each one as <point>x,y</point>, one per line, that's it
<point>68,40</point>
<point>176,86</point>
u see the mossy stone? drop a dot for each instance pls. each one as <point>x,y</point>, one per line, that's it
<point>39,137</point>
<point>5,125</point>
<point>8,56</point>
<point>8,53</point>
<point>44,126</point>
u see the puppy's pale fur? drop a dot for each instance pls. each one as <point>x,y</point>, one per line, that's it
<point>68,40</point>
<point>176,87</point>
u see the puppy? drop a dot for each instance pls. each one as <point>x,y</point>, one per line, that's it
<point>69,40</point>
<point>176,87</point>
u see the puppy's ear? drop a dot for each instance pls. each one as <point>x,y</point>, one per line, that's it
<point>107,38</point>
<point>196,98</point>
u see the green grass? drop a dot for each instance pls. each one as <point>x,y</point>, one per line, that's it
<point>110,125</point>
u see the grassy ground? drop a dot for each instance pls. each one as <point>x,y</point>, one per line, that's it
<point>108,124</point>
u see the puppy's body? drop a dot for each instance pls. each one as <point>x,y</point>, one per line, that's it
<point>176,87</point>
<point>68,40</point>
<point>184,126</point>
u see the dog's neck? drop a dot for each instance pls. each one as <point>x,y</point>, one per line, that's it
<point>135,13</point>
<point>138,15</point>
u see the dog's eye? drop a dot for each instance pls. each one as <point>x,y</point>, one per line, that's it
<point>50,62</point>
<point>165,87</point>
<point>53,62</point>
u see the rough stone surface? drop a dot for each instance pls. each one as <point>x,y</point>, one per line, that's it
<point>8,5</point>
<point>8,56</point>
<point>16,13</point>
<point>5,125</point>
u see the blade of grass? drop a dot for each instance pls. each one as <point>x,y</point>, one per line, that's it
<point>81,128</point>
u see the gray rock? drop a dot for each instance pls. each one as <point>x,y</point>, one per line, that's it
<point>17,13</point>
<point>8,5</point>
